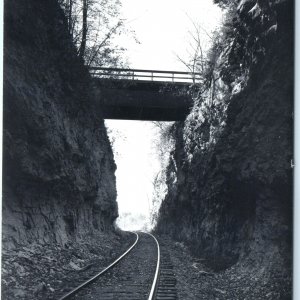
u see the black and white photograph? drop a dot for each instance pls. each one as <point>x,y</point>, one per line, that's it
<point>148,150</point>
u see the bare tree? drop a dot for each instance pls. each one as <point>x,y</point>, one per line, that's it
<point>93,26</point>
<point>204,62</point>
<point>84,28</point>
<point>69,16</point>
<point>98,46</point>
<point>196,62</point>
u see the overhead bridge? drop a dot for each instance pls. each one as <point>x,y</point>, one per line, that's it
<point>137,94</point>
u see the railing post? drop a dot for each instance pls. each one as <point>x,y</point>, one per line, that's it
<point>159,75</point>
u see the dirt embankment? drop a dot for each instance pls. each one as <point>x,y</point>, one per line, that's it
<point>49,271</point>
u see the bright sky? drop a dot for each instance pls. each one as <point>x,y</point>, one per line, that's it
<point>135,153</point>
<point>161,27</point>
<point>137,165</point>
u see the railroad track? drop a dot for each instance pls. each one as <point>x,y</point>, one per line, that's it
<point>166,286</point>
<point>133,276</point>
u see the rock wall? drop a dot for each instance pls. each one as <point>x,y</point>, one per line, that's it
<point>231,202</point>
<point>58,167</point>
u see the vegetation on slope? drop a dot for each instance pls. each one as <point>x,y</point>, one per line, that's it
<point>230,177</point>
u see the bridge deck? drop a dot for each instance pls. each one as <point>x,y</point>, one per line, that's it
<point>162,98</point>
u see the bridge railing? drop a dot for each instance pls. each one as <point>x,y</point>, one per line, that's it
<point>145,75</point>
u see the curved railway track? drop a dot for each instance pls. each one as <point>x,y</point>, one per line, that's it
<point>133,276</point>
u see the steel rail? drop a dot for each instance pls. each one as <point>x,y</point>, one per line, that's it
<point>155,280</point>
<point>71,293</point>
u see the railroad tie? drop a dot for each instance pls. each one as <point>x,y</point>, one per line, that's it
<point>166,289</point>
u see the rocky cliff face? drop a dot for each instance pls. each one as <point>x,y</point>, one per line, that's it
<point>58,167</point>
<point>230,197</point>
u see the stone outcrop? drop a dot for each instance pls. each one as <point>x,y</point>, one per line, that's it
<point>58,166</point>
<point>232,201</point>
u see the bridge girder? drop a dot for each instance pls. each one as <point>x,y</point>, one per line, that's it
<point>143,100</point>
